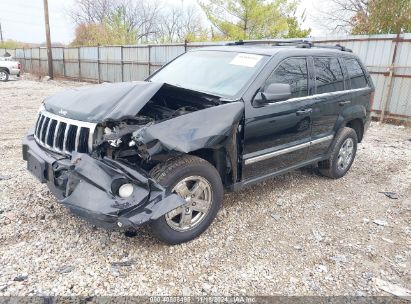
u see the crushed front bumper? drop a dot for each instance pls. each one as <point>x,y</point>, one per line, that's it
<point>86,186</point>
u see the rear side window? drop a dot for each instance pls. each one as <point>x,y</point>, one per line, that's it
<point>355,73</point>
<point>292,71</point>
<point>328,75</point>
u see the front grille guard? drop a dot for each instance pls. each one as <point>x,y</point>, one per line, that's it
<point>64,135</point>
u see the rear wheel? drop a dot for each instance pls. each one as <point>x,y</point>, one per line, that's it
<point>4,75</point>
<point>343,152</point>
<point>199,183</point>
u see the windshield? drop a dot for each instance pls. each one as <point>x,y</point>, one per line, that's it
<point>220,73</point>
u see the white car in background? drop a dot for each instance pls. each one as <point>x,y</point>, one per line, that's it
<point>9,67</point>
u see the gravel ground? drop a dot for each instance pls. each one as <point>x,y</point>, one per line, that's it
<point>299,234</point>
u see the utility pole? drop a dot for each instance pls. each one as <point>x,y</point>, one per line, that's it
<point>47,22</point>
<point>1,33</point>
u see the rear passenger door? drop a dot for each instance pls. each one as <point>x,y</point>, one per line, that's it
<point>330,99</point>
<point>360,86</point>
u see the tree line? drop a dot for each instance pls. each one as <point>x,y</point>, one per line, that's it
<point>108,22</point>
<point>122,22</point>
<point>367,17</point>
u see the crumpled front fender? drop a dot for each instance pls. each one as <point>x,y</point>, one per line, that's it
<point>88,192</point>
<point>85,185</point>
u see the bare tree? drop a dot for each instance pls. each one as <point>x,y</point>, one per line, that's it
<point>181,23</point>
<point>140,17</point>
<point>342,15</point>
<point>92,11</point>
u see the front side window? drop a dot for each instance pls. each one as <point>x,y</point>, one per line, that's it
<point>328,75</point>
<point>292,71</point>
<point>216,72</point>
<point>355,73</point>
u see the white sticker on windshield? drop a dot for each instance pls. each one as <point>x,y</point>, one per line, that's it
<point>247,60</point>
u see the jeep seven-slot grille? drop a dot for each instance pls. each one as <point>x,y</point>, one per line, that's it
<point>64,135</point>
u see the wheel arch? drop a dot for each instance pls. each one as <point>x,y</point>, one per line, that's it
<point>5,69</point>
<point>353,117</point>
<point>358,125</point>
<point>219,159</point>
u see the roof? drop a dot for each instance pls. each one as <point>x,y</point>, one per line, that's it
<point>270,50</point>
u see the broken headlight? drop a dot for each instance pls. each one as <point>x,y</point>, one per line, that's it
<point>122,188</point>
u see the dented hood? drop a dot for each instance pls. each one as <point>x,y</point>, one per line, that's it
<point>97,103</point>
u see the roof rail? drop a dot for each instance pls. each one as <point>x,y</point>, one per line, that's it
<point>300,43</point>
<point>274,42</point>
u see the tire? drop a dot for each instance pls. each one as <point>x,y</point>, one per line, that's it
<point>188,176</point>
<point>4,75</point>
<point>343,151</point>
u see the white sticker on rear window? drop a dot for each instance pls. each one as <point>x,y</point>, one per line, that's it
<point>247,60</point>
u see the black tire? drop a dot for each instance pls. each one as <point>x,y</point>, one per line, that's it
<point>331,167</point>
<point>5,75</point>
<point>169,174</point>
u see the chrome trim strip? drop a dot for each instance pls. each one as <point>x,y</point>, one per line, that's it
<point>276,153</point>
<point>90,140</point>
<point>322,139</point>
<point>259,158</point>
<point>55,136</point>
<point>68,120</point>
<point>47,133</point>
<point>41,128</point>
<point>80,124</point>
<point>65,138</point>
<point>320,95</point>
<point>76,143</point>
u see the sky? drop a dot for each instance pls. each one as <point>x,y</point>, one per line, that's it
<point>23,20</point>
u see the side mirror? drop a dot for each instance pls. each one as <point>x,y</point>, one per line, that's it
<point>274,92</point>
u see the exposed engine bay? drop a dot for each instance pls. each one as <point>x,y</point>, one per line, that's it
<point>116,140</point>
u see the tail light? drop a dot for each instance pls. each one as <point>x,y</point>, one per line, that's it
<point>372,95</point>
<point>19,65</point>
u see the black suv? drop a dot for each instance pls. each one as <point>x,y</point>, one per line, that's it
<point>162,151</point>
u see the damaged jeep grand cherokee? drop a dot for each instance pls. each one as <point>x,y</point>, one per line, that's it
<point>162,151</point>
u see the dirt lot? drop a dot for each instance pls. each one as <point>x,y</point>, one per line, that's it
<point>299,234</point>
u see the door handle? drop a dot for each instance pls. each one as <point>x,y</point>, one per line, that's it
<point>304,112</point>
<point>342,103</point>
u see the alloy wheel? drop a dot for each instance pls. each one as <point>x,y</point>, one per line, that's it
<point>3,75</point>
<point>197,193</point>
<point>345,154</point>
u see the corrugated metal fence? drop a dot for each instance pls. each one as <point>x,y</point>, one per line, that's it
<point>388,58</point>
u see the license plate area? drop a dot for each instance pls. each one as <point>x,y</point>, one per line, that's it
<point>36,166</point>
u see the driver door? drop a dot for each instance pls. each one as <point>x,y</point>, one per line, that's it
<point>277,134</point>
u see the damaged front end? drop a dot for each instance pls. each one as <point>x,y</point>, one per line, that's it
<point>91,188</point>
<point>97,158</point>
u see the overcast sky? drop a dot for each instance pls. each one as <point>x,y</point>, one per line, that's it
<point>23,20</point>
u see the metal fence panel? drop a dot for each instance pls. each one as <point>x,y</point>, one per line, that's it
<point>43,53</point>
<point>136,62</point>
<point>160,55</point>
<point>134,72</point>
<point>136,54</point>
<point>89,71</point>
<point>89,53</point>
<point>35,53</point>
<point>72,69</point>
<point>71,53</point>
<point>110,53</point>
<point>110,72</point>
<point>380,84</point>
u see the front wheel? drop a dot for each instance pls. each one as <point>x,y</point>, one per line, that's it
<point>342,155</point>
<point>4,75</point>
<point>199,183</point>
